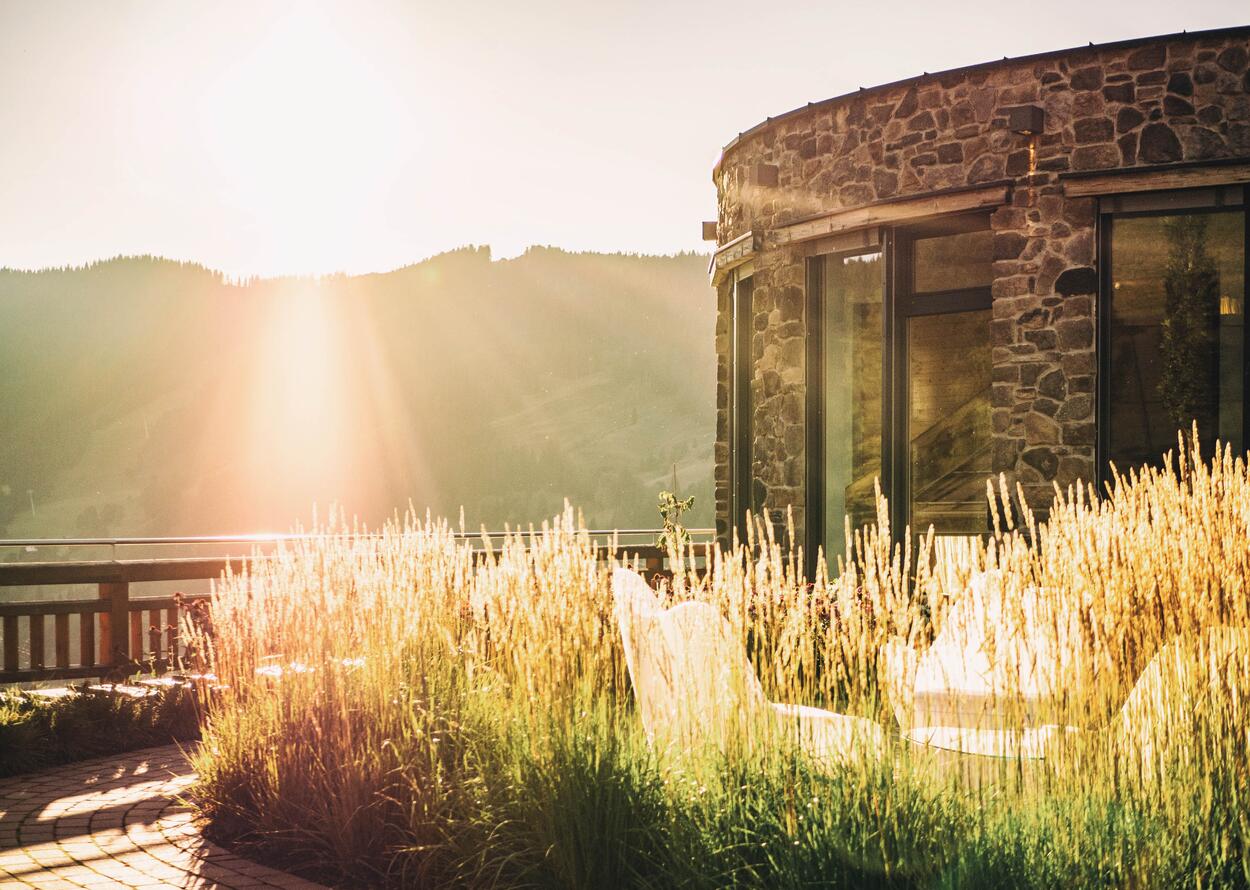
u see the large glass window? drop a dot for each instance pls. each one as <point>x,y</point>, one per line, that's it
<point>943,372</point>
<point>852,330</point>
<point>1176,339</point>
<point>901,346</point>
<point>948,420</point>
<point>740,497</point>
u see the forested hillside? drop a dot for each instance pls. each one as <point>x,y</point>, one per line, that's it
<point>144,396</point>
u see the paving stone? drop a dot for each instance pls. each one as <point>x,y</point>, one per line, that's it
<point>116,822</point>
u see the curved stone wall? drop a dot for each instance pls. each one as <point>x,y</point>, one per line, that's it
<point>1139,104</point>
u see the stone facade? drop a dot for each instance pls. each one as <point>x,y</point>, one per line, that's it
<point>1132,105</point>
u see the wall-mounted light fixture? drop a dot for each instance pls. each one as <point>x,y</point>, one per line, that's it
<point>1027,120</point>
<point>709,230</point>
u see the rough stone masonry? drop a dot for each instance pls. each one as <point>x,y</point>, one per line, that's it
<point>1154,102</point>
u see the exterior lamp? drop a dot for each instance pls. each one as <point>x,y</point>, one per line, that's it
<point>1027,120</point>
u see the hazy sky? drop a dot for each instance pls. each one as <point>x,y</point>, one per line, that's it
<point>262,137</point>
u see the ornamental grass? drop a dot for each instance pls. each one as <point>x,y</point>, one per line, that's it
<point>414,709</point>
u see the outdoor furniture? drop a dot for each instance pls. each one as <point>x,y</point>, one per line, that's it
<point>988,682</point>
<point>695,686</point>
<point>991,681</point>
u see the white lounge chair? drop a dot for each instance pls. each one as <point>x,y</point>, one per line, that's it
<point>1001,663</point>
<point>695,686</point>
<point>990,679</point>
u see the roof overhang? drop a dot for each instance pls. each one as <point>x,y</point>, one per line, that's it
<point>733,254</point>
<point>897,210</point>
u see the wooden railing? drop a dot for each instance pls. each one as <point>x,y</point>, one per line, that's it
<point>119,634</point>
<point>115,631</point>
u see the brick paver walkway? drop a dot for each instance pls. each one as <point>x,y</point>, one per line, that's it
<point>115,822</point>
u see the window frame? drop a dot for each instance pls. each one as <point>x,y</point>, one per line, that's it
<point>905,305</point>
<point>741,427</point>
<point>939,302</point>
<point>898,304</point>
<point>1192,202</point>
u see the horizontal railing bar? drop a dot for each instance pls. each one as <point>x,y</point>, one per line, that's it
<point>54,607</point>
<point>129,571</point>
<point>276,538</point>
<point>146,603</point>
<point>36,608</point>
<point>114,571</point>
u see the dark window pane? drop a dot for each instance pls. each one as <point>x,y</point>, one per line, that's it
<point>948,420</point>
<point>953,262</point>
<point>852,346</point>
<point>1177,346</point>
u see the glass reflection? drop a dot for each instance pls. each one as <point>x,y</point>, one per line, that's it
<point>852,346</point>
<point>1177,333</point>
<point>948,420</point>
<point>953,262</point>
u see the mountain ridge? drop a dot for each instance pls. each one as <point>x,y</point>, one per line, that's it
<point>196,405</point>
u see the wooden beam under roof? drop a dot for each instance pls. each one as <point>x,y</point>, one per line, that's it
<point>733,254</point>
<point>1158,180</point>
<point>893,211</point>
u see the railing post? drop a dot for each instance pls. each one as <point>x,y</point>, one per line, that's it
<point>115,623</point>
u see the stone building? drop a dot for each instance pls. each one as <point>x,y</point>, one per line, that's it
<point>1032,266</point>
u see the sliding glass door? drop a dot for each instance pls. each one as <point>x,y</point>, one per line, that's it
<point>850,322</point>
<point>900,342</point>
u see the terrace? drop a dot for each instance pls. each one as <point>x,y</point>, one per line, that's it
<point>973,412</point>
<point>1107,685</point>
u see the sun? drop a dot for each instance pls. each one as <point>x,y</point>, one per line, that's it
<point>307,135</point>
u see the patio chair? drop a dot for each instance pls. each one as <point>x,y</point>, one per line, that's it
<point>988,682</point>
<point>695,686</point>
<point>1155,721</point>
<point>991,681</point>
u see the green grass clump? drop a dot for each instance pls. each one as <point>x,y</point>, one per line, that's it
<point>36,733</point>
<point>452,719</point>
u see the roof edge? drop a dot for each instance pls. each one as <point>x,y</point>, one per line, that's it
<point>964,69</point>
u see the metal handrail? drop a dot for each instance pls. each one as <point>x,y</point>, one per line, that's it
<point>264,538</point>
